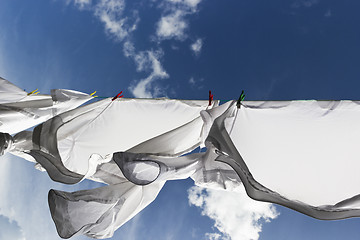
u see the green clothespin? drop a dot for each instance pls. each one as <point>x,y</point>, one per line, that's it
<point>241,98</point>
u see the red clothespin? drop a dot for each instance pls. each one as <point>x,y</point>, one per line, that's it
<point>211,98</point>
<point>117,96</point>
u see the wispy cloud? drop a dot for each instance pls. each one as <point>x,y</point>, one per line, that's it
<point>82,4</point>
<point>196,83</point>
<point>146,61</point>
<point>189,5</point>
<point>110,12</point>
<point>172,26</point>
<point>119,26</point>
<point>236,216</point>
<point>173,23</point>
<point>213,236</point>
<point>10,229</point>
<point>196,46</point>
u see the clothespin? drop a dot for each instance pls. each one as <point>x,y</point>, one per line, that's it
<point>92,94</point>
<point>241,98</point>
<point>117,96</point>
<point>33,92</point>
<point>211,98</point>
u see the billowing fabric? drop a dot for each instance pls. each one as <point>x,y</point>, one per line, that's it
<point>80,144</point>
<point>97,213</point>
<point>300,154</point>
<point>146,168</point>
<point>71,145</point>
<point>20,111</point>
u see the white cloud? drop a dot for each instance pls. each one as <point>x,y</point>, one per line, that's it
<point>128,49</point>
<point>145,61</point>
<point>142,88</point>
<point>192,3</point>
<point>110,12</point>
<point>184,4</point>
<point>172,26</point>
<point>196,46</point>
<point>173,23</point>
<point>213,236</point>
<point>119,26</point>
<point>236,215</point>
<point>196,83</point>
<point>81,4</point>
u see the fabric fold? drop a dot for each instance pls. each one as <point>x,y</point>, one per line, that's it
<point>72,145</point>
<point>20,111</point>
<point>98,212</point>
<point>242,149</point>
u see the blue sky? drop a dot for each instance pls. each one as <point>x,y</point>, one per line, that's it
<point>274,50</point>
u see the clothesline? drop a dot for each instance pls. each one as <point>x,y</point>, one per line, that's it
<point>281,152</point>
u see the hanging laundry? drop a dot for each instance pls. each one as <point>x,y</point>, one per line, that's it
<point>300,154</point>
<point>20,110</point>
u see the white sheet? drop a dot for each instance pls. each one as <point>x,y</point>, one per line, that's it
<point>304,150</point>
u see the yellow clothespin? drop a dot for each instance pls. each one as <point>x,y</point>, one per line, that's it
<point>33,92</point>
<point>93,94</point>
